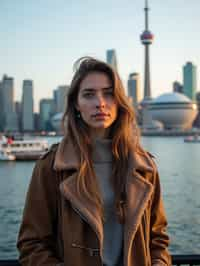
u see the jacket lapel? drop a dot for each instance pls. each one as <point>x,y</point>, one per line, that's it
<point>139,192</point>
<point>86,209</point>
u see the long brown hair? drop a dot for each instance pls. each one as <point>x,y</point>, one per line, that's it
<point>124,135</point>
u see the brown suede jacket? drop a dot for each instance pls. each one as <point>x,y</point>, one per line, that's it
<point>60,228</point>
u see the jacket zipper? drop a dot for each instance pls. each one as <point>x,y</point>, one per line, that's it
<point>84,219</point>
<point>90,250</point>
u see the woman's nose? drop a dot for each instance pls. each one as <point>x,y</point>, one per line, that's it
<point>100,101</point>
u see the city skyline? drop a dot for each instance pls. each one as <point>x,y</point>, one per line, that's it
<point>42,41</point>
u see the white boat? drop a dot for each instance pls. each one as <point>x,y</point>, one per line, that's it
<point>195,138</point>
<point>6,156</point>
<point>30,149</point>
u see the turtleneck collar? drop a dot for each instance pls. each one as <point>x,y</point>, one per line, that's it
<point>102,150</point>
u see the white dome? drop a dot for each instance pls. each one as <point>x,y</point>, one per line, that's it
<point>173,110</point>
<point>172,97</point>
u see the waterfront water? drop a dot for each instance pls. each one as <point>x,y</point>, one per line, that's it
<point>179,168</point>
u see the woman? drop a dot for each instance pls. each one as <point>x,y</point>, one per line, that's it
<point>95,198</point>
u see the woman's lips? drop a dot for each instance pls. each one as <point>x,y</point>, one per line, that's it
<point>100,116</point>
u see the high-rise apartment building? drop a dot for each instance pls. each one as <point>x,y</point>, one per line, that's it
<point>190,80</point>
<point>60,97</point>
<point>134,88</point>
<point>111,58</point>
<point>27,106</point>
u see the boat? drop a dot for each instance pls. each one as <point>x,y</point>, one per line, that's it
<point>30,149</point>
<point>194,139</point>
<point>6,156</point>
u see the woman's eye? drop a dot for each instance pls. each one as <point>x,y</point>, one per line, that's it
<point>88,95</point>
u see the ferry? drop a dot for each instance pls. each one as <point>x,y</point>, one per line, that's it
<point>30,149</point>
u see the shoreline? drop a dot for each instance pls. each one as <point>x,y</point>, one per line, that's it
<point>169,133</point>
<point>143,132</point>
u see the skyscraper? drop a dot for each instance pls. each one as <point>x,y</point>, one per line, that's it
<point>1,109</point>
<point>134,88</point>
<point>46,111</point>
<point>190,80</point>
<point>8,94</point>
<point>9,116</point>
<point>27,106</point>
<point>111,58</point>
<point>147,39</point>
<point>60,97</point>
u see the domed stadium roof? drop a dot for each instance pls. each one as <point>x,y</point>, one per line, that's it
<point>173,110</point>
<point>173,97</point>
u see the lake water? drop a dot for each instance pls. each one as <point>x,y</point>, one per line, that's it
<point>179,167</point>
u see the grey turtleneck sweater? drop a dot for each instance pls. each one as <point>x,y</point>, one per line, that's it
<point>113,230</point>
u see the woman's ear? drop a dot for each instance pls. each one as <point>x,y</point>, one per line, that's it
<point>77,112</point>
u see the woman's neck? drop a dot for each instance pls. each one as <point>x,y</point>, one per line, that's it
<point>100,133</point>
<point>102,150</point>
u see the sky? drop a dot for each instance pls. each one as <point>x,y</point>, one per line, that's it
<point>41,40</point>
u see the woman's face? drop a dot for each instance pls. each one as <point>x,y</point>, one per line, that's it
<point>96,103</point>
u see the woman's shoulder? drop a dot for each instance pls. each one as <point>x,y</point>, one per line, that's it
<point>146,164</point>
<point>44,176</point>
<point>46,160</point>
<point>149,157</point>
<point>51,150</point>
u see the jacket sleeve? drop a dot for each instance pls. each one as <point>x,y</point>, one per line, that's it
<point>37,237</point>
<point>159,239</point>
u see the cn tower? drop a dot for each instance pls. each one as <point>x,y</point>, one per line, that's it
<point>147,39</point>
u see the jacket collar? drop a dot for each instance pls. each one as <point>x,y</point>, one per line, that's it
<point>138,189</point>
<point>67,158</point>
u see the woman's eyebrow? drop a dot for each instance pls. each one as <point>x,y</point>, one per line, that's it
<point>92,89</point>
<point>87,89</point>
<point>108,88</point>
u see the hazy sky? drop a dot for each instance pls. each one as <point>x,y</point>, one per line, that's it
<point>41,39</point>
